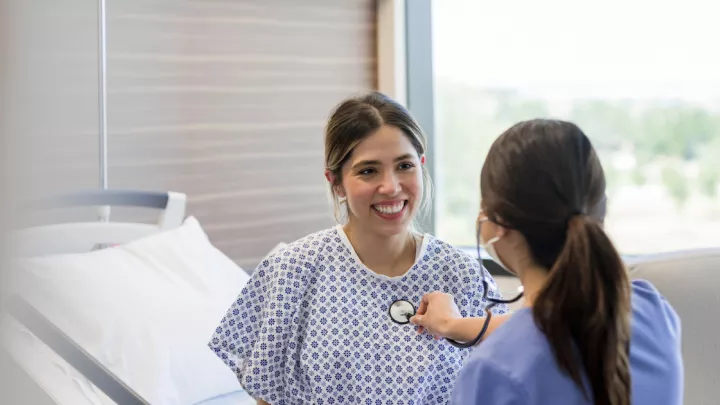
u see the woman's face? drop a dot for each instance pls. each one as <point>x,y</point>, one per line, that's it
<point>382,181</point>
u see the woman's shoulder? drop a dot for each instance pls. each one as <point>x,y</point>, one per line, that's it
<point>438,247</point>
<point>652,313</point>
<point>655,345</point>
<point>448,256</point>
<point>290,266</point>
<point>307,246</point>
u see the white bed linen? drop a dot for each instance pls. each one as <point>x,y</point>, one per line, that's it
<point>65,385</point>
<point>61,382</point>
<point>235,398</point>
<point>144,310</point>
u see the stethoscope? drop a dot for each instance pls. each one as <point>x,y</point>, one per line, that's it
<point>402,310</point>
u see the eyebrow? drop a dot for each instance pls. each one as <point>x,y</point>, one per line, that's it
<point>377,162</point>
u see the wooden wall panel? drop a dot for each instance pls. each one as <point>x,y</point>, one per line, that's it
<point>224,100</point>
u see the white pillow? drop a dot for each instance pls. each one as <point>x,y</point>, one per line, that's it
<point>145,310</point>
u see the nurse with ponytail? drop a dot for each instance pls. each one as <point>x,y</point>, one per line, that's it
<point>587,333</point>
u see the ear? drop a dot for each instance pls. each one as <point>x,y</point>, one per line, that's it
<point>331,178</point>
<point>500,230</point>
<point>340,192</point>
<point>422,160</point>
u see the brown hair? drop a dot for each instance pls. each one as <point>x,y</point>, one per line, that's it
<point>543,179</point>
<point>355,119</point>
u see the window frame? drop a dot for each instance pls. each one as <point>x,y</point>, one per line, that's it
<point>405,72</point>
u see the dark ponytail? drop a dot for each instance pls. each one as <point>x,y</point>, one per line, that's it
<point>543,179</point>
<point>583,309</point>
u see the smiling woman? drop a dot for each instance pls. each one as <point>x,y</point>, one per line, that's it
<point>382,181</point>
<point>387,147</point>
<point>327,316</point>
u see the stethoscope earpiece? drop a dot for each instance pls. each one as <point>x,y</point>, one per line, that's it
<point>401,311</point>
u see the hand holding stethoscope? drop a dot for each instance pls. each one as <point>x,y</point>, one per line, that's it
<point>436,315</point>
<point>439,315</point>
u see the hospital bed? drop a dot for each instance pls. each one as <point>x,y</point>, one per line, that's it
<point>106,312</point>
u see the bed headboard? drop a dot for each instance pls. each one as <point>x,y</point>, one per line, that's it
<point>80,237</point>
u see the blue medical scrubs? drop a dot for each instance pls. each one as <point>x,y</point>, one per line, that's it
<point>515,365</point>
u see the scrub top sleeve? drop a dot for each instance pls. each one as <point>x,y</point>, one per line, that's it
<point>481,382</point>
<point>252,338</point>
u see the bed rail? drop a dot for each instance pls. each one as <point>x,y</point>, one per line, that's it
<point>72,353</point>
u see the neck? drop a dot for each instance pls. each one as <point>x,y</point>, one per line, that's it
<point>389,255</point>
<point>533,279</point>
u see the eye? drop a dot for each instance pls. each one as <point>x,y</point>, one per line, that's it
<point>405,166</point>
<point>367,171</point>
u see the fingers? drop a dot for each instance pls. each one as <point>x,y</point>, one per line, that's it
<point>425,301</point>
<point>422,308</point>
<point>420,315</point>
<point>417,320</point>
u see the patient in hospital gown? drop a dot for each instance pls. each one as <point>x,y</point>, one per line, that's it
<point>313,324</point>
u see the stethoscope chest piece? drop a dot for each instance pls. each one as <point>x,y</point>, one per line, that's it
<point>401,311</point>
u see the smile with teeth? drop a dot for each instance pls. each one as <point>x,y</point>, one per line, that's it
<point>389,209</point>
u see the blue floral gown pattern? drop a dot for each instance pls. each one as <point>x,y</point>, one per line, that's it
<point>312,326</point>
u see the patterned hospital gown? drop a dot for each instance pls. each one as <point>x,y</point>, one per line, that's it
<point>312,326</point>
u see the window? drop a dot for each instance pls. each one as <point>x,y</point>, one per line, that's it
<point>641,78</point>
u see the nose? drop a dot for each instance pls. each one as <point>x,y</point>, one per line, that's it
<point>390,184</point>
